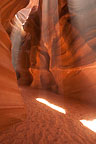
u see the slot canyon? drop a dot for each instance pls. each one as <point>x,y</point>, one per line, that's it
<point>47,72</point>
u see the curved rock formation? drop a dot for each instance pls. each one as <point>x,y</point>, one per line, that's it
<point>11,104</point>
<point>9,9</point>
<point>73,50</point>
<point>63,45</point>
<point>39,57</point>
<point>21,46</point>
<point>68,32</point>
<point>23,63</point>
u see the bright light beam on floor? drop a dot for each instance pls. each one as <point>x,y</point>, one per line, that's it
<point>89,124</point>
<point>57,108</point>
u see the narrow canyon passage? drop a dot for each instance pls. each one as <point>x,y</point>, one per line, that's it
<point>44,125</point>
<point>47,72</point>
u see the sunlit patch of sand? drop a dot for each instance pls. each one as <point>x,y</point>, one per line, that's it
<point>57,108</point>
<point>91,124</point>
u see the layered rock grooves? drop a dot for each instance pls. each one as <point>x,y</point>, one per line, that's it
<point>74,52</point>
<point>21,60</point>
<point>11,103</point>
<point>39,59</point>
<point>63,44</point>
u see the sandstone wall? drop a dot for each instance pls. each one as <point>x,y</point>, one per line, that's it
<point>74,50</point>
<point>11,104</point>
<point>68,30</point>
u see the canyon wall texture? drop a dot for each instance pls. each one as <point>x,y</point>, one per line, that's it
<point>11,103</point>
<point>75,66</point>
<point>62,52</point>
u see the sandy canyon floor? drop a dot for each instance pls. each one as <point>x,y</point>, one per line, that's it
<point>44,125</point>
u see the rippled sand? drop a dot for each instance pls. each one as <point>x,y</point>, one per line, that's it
<point>44,125</point>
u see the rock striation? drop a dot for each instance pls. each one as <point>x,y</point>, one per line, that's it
<point>38,55</point>
<point>11,103</point>
<point>60,53</point>
<point>63,43</point>
<point>73,50</point>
